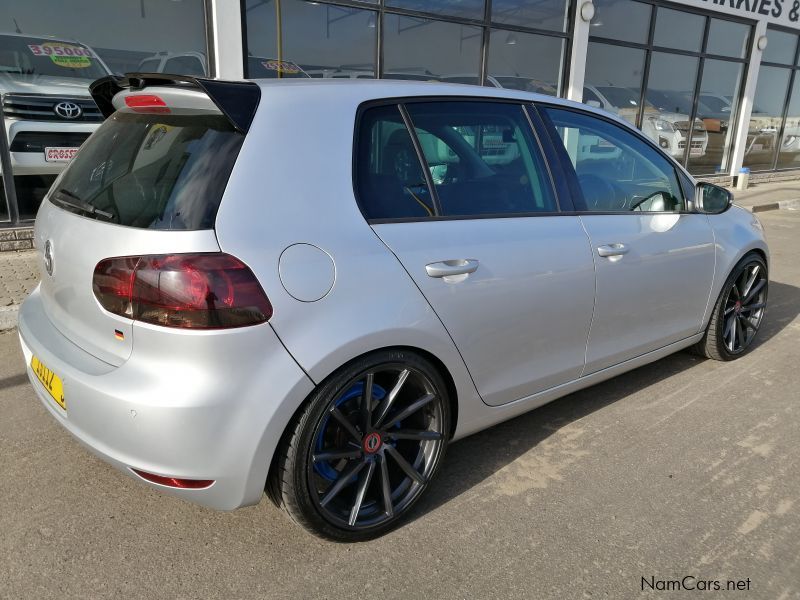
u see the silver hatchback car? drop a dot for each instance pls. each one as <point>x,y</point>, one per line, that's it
<point>312,287</point>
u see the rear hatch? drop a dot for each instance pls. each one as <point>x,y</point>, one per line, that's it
<point>149,181</point>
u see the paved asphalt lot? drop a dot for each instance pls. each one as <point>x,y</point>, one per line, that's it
<point>683,467</point>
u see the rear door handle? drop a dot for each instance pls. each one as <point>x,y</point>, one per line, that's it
<point>617,249</point>
<point>446,268</point>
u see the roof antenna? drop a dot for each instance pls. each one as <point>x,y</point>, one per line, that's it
<point>16,25</point>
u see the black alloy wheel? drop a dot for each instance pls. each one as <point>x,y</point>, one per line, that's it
<point>739,311</point>
<point>365,447</point>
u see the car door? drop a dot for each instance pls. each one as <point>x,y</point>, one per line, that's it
<point>653,257</point>
<point>460,192</point>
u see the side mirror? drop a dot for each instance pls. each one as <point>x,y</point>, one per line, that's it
<point>711,199</point>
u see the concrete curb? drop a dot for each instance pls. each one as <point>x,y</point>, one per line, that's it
<point>8,317</point>
<point>781,205</point>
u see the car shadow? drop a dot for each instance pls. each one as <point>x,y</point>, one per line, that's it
<point>474,459</point>
<point>14,381</point>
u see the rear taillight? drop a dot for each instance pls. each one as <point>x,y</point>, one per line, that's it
<point>192,291</point>
<point>146,103</point>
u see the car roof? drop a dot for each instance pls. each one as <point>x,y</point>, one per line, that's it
<point>364,90</point>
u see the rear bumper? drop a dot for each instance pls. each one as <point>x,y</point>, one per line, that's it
<point>194,405</point>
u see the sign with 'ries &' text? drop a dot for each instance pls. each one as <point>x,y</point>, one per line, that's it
<point>776,12</point>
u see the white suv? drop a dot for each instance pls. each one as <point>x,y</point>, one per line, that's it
<point>667,128</point>
<point>44,89</point>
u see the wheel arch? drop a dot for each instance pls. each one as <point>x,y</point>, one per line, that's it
<point>438,364</point>
<point>720,278</point>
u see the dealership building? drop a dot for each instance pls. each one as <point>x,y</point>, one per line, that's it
<point>712,82</point>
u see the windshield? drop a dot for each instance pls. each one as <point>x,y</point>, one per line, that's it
<point>670,101</point>
<point>22,55</point>
<point>152,171</point>
<point>620,97</point>
<point>527,85</point>
<point>715,103</point>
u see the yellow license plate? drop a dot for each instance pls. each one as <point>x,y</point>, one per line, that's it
<point>51,382</point>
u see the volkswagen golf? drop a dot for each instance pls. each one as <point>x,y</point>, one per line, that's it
<point>313,287</point>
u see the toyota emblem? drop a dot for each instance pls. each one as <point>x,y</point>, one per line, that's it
<point>67,110</point>
<point>48,257</point>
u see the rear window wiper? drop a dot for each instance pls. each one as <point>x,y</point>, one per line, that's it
<point>80,205</point>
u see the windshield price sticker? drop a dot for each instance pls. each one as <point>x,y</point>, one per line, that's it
<point>64,55</point>
<point>282,66</point>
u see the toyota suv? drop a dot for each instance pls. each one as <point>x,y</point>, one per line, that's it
<point>44,86</point>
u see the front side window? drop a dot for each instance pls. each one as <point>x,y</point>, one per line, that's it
<point>616,171</point>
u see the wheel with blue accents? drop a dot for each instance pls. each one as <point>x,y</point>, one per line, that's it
<point>364,448</point>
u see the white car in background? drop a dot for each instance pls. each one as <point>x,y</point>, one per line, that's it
<point>666,128</point>
<point>47,109</point>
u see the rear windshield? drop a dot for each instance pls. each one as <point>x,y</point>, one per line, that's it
<point>152,171</point>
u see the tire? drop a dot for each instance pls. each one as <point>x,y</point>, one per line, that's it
<point>345,478</point>
<point>736,319</point>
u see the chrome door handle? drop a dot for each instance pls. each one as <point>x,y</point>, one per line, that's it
<point>613,249</point>
<point>446,268</point>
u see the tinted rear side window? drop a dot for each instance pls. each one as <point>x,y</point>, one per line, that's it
<point>390,180</point>
<point>152,171</point>
<point>480,157</point>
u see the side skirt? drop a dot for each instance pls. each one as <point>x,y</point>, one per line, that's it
<point>498,414</point>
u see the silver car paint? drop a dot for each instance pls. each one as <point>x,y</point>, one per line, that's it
<point>214,404</point>
<point>202,405</point>
<point>522,318</point>
<point>737,231</point>
<point>656,293</point>
<point>78,245</point>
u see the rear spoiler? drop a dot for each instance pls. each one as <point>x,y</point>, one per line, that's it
<point>237,100</point>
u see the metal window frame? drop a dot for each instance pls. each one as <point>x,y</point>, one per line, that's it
<point>649,47</point>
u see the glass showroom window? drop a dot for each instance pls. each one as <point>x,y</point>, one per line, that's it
<point>614,79</point>
<point>310,40</point>
<point>675,74</point>
<point>466,9</point>
<point>49,54</point>
<point>457,41</point>
<point>773,140</point>
<point>425,49</point>
<point>510,64</point>
<point>551,15</point>
<point>789,151</point>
